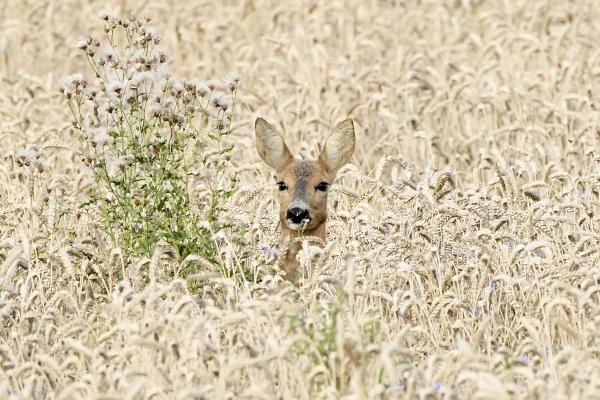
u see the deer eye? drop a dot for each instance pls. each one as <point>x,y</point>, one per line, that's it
<point>281,186</point>
<point>322,187</point>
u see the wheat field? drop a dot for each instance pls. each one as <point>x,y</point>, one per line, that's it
<point>463,238</point>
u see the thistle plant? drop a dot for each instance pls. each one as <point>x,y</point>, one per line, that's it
<point>148,137</point>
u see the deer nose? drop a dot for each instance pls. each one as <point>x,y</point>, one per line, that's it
<point>297,214</point>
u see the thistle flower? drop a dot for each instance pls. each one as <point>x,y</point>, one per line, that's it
<point>202,89</point>
<point>119,163</point>
<point>167,103</point>
<point>31,156</point>
<point>136,104</point>
<point>221,101</point>
<point>176,88</point>
<point>231,83</point>
<point>89,45</point>
<point>109,53</point>
<point>81,44</point>
<point>212,84</point>
<point>74,80</point>
<point>101,139</point>
<point>179,120</point>
<point>73,85</point>
<point>154,110</point>
<point>22,157</point>
<point>130,97</point>
<point>142,78</point>
<point>190,86</point>
<point>150,35</point>
<point>116,87</point>
<point>104,15</point>
<point>111,23</point>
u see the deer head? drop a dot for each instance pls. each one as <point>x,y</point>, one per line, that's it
<point>303,185</point>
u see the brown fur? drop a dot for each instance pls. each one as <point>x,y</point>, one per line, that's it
<point>301,177</point>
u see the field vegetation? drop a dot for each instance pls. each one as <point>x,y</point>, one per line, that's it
<point>138,225</point>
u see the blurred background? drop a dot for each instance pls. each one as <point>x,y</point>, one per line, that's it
<point>463,247</point>
<point>436,82</point>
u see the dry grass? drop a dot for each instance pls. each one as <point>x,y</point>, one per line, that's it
<point>463,239</point>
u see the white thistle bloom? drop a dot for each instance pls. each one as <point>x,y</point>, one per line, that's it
<point>231,82</point>
<point>202,89</point>
<point>130,97</point>
<point>176,87</point>
<point>31,156</point>
<point>220,100</point>
<point>154,110</point>
<point>191,85</point>
<point>109,53</point>
<point>21,154</point>
<point>81,44</point>
<point>116,87</point>
<point>141,78</point>
<point>167,103</point>
<point>73,80</point>
<point>105,15</point>
<point>101,139</point>
<point>212,84</point>
<point>119,163</point>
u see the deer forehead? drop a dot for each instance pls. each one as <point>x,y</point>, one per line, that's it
<point>300,172</point>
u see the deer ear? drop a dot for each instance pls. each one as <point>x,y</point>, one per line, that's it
<point>339,146</point>
<point>270,145</point>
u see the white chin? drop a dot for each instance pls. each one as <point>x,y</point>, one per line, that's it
<point>297,227</point>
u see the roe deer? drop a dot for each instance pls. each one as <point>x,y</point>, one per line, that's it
<point>303,185</point>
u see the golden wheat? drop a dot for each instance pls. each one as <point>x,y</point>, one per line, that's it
<point>463,242</point>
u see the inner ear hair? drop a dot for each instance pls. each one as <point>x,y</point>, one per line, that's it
<point>270,145</point>
<point>339,146</point>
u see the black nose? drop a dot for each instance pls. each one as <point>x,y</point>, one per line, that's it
<point>297,214</point>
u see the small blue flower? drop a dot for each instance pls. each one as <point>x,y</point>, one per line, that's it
<point>264,248</point>
<point>524,359</point>
<point>275,252</point>
<point>475,310</point>
<point>540,252</point>
<point>401,383</point>
<point>437,387</point>
<point>490,285</point>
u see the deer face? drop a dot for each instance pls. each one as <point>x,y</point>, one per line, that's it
<point>303,185</point>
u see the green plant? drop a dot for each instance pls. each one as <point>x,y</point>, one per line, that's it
<point>148,137</point>
<point>326,341</point>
